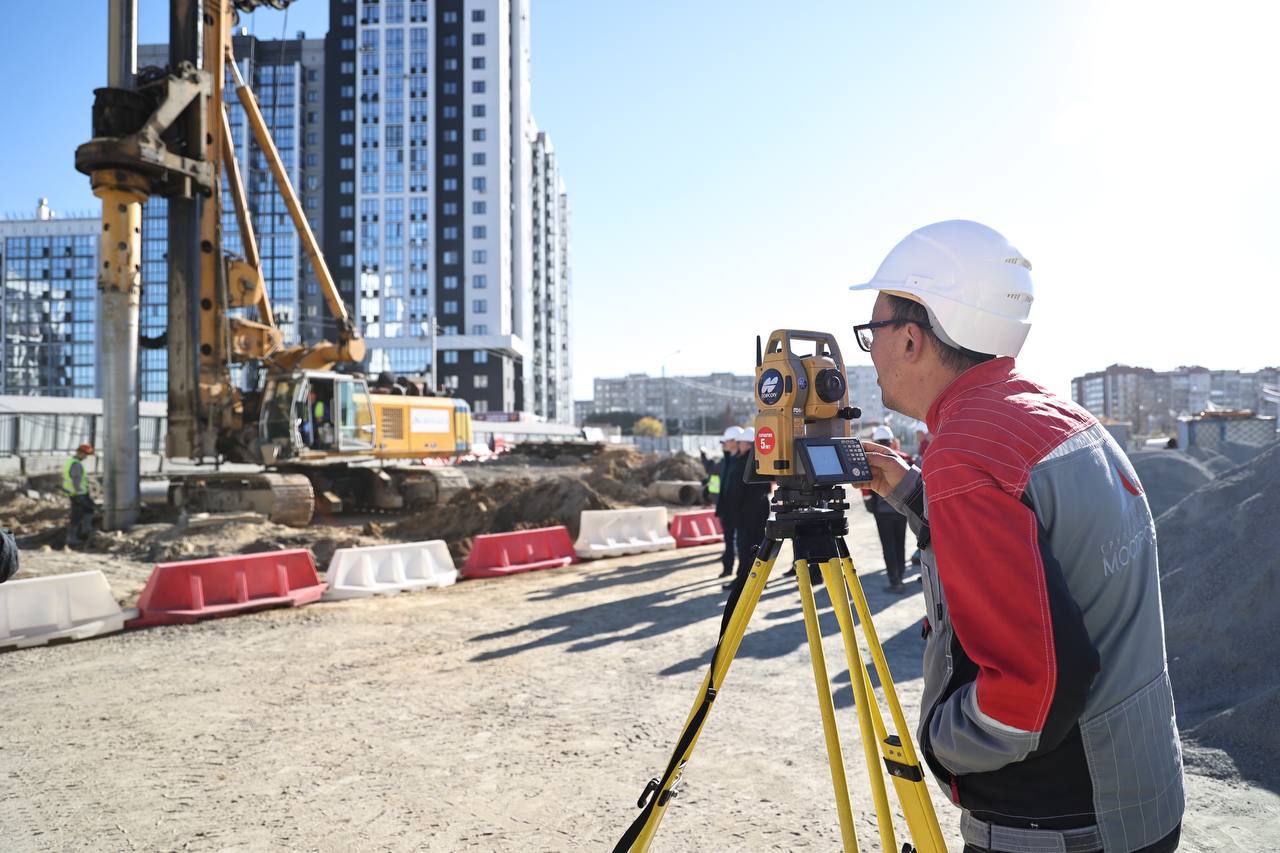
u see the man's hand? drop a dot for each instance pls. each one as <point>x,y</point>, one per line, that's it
<point>887,468</point>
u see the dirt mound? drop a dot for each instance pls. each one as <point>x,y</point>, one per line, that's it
<point>164,543</point>
<point>678,466</point>
<point>502,506</point>
<point>1168,476</point>
<point>25,510</point>
<point>622,473</point>
<point>1220,575</point>
<point>1211,459</point>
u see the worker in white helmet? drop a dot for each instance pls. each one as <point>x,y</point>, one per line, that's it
<point>891,525</point>
<point>1047,713</point>
<point>726,492</point>
<point>751,509</point>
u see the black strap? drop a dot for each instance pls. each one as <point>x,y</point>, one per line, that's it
<point>649,798</point>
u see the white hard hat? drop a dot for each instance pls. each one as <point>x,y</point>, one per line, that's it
<point>882,433</point>
<point>975,286</point>
<point>732,433</point>
<point>748,434</point>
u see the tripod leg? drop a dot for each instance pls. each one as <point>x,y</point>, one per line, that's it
<point>658,793</point>
<point>835,756</point>
<point>899,752</point>
<point>870,724</point>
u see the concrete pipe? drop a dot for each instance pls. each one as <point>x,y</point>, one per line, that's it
<point>154,492</point>
<point>684,492</point>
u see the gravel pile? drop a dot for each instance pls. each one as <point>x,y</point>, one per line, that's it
<point>1220,579</point>
<point>1168,476</point>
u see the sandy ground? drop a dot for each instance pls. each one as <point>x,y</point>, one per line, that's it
<point>524,713</point>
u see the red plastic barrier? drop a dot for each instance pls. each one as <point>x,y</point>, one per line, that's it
<point>696,528</point>
<point>496,554</point>
<point>224,586</point>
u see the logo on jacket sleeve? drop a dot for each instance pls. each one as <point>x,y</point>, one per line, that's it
<point>1130,487</point>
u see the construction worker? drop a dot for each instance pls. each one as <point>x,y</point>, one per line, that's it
<point>751,501</point>
<point>315,419</point>
<point>75,485</point>
<point>725,496</point>
<point>891,525</point>
<point>1047,713</point>
<point>8,555</point>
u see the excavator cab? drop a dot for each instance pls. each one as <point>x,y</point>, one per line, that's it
<point>316,413</point>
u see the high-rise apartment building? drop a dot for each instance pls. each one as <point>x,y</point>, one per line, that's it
<point>442,190</point>
<point>552,361</point>
<point>407,135</point>
<point>49,304</point>
<point>288,79</point>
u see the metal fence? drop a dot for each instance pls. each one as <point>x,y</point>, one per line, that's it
<point>37,426</point>
<point>673,443</point>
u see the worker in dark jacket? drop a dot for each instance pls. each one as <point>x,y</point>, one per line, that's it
<point>1046,714</point>
<point>727,485</point>
<point>75,485</point>
<point>8,555</point>
<point>891,525</point>
<point>752,508</point>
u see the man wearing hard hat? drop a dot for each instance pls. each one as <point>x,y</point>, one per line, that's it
<point>75,485</point>
<point>1047,713</point>
<point>726,490</point>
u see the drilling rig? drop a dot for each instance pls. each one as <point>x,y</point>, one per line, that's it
<point>237,393</point>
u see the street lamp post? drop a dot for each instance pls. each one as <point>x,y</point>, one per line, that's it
<point>664,387</point>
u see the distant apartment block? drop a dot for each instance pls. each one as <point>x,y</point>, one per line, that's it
<point>693,404</point>
<point>552,361</point>
<point>49,304</point>
<point>1153,401</point>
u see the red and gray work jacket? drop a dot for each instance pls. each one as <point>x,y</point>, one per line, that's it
<point>1046,701</point>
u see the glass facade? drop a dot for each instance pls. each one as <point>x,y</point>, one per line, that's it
<point>395,231</point>
<point>279,79</point>
<point>48,307</point>
<point>153,361</point>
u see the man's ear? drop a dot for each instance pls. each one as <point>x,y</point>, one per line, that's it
<point>914,342</point>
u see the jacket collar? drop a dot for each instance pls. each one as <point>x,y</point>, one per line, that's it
<point>987,373</point>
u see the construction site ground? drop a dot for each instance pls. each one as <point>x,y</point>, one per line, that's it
<point>517,714</point>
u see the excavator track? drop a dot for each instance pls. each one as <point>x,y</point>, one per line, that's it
<point>422,487</point>
<point>283,498</point>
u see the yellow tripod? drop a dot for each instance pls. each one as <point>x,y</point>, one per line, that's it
<point>813,519</point>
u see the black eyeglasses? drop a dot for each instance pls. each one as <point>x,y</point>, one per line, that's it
<point>863,332</point>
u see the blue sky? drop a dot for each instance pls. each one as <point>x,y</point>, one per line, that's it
<point>732,166</point>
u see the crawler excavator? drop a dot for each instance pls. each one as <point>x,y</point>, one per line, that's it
<point>323,438</point>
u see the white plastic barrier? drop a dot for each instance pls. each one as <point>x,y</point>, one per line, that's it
<point>388,569</point>
<point>36,611</point>
<point>613,532</point>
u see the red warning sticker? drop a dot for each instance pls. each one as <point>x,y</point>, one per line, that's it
<point>765,441</point>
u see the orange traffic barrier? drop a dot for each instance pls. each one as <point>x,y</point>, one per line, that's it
<point>224,586</point>
<point>496,554</point>
<point>696,528</point>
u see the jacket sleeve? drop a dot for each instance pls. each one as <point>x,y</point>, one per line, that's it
<point>1015,619</point>
<point>908,499</point>
<point>77,474</point>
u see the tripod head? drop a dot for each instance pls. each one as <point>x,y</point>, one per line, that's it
<point>803,512</point>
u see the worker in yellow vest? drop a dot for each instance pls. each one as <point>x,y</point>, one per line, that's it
<point>75,485</point>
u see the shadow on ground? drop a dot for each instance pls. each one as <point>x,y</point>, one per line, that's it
<point>642,617</point>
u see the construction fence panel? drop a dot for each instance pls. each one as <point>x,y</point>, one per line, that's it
<point>389,569</point>
<point>615,532</point>
<point>36,611</point>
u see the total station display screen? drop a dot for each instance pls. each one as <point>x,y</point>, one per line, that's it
<point>825,460</point>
